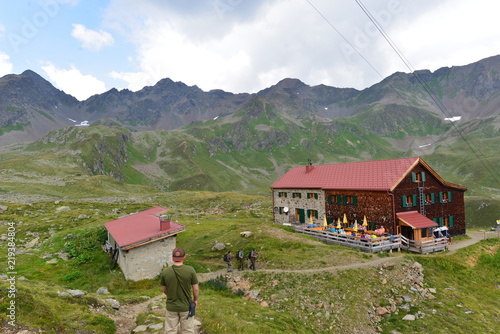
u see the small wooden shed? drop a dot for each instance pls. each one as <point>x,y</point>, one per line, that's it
<point>142,243</point>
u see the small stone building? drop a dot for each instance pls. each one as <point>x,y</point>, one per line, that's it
<point>142,243</point>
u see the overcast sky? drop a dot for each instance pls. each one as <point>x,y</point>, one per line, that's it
<point>87,47</point>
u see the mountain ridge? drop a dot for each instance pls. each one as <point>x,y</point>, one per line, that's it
<point>182,138</point>
<point>30,106</point>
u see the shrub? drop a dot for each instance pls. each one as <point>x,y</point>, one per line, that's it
<point>82,244</point>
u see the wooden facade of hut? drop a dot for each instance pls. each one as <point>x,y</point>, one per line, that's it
<point>382,191</point>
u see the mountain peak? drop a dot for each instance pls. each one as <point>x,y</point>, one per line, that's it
<point>290,83</point>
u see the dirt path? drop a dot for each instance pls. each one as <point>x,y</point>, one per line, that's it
<point>394,257</point>
<point>125,319</point>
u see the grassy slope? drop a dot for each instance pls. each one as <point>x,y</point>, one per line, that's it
<point>212,217</point>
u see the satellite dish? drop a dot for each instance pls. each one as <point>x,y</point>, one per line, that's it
<point>285,209</point>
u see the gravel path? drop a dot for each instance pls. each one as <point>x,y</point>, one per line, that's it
<point>394,257</point>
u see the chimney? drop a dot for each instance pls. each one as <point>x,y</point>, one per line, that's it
<point>309,166</point>
<point>165,221</point>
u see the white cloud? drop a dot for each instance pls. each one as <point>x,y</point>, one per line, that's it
<point>245,46</point>
<point>2,31</point>
<point>91,39</point>
<point>5,64</point>
<point>73,82</point>
<point>453,33</point>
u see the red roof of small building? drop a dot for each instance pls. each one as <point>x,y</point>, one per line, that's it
<point>381,175</point>
<point>140,227</point>
<point>415,219</point>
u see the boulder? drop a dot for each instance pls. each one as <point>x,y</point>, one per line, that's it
<point>218,246</point>
<point>141,328</point>
<point>113,303</point>
<point>409,317</point>
<point>102,291</point>
<point>381,311</point>
<point>32,243</point>
<point>62,209</point>
<point>76,293</point>
<point>246,234</point>
<point>157,326</point>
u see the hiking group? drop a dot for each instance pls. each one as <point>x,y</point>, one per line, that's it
<point>240,256</point>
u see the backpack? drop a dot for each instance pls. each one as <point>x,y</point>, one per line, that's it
<point>225,257</point>
<point>250,255</point>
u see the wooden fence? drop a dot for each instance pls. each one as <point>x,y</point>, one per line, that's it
<point>428,246</point>
<point>380,244</point>
<point>383,243</point>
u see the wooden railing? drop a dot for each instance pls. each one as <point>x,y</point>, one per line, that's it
<point>427,246</point>
<point>380,244</point>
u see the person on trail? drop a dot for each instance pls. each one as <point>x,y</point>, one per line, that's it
<point>227,258</point>
<point>252,256</point>
<point>240,256</point>
<point>177,282</point>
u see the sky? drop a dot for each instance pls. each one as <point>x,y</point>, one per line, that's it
<point>87,47</point>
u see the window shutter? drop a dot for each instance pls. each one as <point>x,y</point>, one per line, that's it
<point>423,176</point>
<point>432,198</point>
<point>280,210</point>
<point>435,220</point>
<point>440,221</point>
<point>329,199</point>
<point>404,201</point>
<point>354,200</point>
<point>449,196</point>
<point>440,197</point>
<point>414,200</point>
<point>308,213</point>
<point>339,199</point>
<point>344,199</point>
<point>450,221</point>
<point>413,177</point>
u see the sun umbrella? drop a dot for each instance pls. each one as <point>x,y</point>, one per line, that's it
<point>338,223</point>
<point>345,219</point>
<point>365,222</point>
<point>311,219</point>
<point>324,221</point>
<point>355,227</point>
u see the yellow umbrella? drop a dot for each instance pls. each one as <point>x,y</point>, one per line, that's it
<point>338,223</point>
<point>311,219</point>
<point>355,228</point>
<point>365,222</point>
<point>345,219</point>
<point>324,221</point>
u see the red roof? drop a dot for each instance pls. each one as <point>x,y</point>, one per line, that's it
<point>140,227</point>
<point>381,175</point>
<point>415,219</point>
